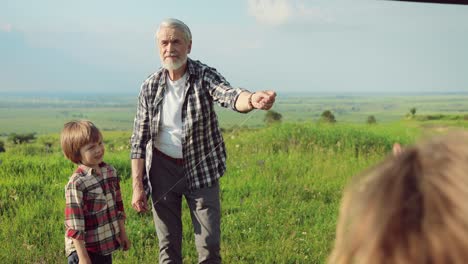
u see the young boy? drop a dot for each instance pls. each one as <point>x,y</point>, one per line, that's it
<point>94,212</point>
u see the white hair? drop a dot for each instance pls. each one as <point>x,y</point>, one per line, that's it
<point>175,23</point>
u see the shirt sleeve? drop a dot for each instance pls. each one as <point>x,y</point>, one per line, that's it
<point>220,90</point>
<point>74,215</point>
<point>118,200</point>
<point>141,126</point>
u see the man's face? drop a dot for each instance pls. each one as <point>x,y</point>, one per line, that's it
<point>173,48</point>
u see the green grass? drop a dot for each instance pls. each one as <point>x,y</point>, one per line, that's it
<point>280,195</point>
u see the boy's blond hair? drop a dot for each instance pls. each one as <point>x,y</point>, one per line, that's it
<point>411,208</point>
<point>75,135</point>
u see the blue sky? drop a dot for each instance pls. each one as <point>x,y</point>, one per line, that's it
<point>348,46</point>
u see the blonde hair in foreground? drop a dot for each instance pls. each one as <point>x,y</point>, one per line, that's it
<point>410,208</point>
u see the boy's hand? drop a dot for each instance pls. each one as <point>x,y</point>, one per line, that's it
<point>85,260</point>
<point>124,241</point>
<point>83,256</point>
<point>397,149</point>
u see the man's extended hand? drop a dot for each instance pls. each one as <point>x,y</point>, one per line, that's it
<point>263,100</point>
<point>139,202</point>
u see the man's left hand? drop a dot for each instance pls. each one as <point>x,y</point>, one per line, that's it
<point>263,100</point>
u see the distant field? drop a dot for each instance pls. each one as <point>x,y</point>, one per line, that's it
<point>43,115</point>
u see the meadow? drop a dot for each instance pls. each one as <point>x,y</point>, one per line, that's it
<point>45,114</point>
<point>280,195</point>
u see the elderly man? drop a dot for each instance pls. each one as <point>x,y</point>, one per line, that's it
<point>177,147</point>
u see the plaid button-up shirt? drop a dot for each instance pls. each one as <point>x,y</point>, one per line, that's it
<point>93,208</point>
<point>203,147</point>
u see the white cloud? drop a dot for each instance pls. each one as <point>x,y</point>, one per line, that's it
<point>315,14</point>
<point>279,12</point>
<point>5,27</point>
<point>270,12</point>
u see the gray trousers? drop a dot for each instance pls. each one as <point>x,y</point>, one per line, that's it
<point>204,207</point>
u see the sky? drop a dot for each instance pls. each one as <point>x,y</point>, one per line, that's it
<point>322,46</point>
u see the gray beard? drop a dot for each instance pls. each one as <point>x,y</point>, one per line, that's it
<point>171,66</point>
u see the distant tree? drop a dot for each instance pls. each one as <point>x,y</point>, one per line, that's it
<point>12,138</point>
<point>272,117</point>
<point>371,119</point>
<point>327,116</point>
<point>48,142</point>
<point>21,138</point>
<point>413,111</point>
<point>2,146</point>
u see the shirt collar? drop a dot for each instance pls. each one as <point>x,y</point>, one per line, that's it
<point>86,171</point>
<point>190,68</point>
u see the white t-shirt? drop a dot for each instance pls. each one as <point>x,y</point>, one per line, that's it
<point>169,137</point>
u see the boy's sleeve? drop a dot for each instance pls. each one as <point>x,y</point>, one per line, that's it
<point>74,216</point>
<point>119,203</point>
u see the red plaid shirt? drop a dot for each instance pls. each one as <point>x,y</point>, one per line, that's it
<point>93,208</point>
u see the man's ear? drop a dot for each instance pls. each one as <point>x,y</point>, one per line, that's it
<point>189,47</point>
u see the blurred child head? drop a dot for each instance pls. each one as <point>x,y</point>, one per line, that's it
<point>77,134</point>
<point>410,208</point>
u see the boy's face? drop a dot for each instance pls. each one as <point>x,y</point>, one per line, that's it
<point>92,154</point>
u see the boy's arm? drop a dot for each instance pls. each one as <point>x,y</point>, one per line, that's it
<point>74,218</point>
<point>118,200</point>
<point>123,239</point>
<point>81,251</point>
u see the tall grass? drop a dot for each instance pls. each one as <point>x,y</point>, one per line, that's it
<point>280,194</point>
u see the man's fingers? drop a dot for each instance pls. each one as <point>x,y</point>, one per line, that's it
<point>264,99</point>
<point>139,202</point>
<point>268,94</point>
<point>140,205</point>
<point>265,106</point>
<point>270,97</point>
<point>144,206</point>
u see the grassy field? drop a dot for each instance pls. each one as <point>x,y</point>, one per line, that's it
<point>280,195</point>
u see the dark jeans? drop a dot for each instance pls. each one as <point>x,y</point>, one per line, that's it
<point>95,258</point>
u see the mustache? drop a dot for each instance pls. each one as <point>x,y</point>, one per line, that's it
<point>171,54</point>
